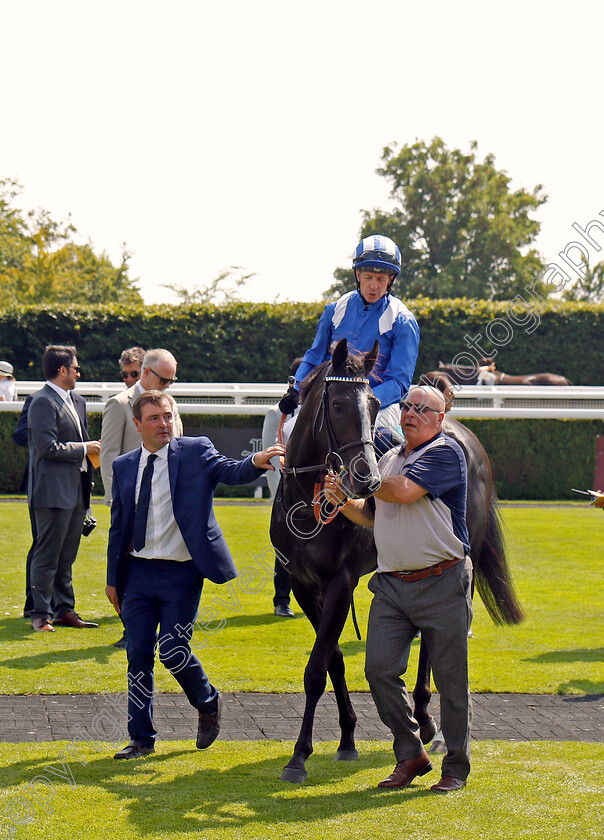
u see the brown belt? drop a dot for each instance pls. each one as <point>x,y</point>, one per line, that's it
<point>421,574</point>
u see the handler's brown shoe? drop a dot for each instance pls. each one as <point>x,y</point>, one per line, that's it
<point>405,771</point>
<point>448,783</point>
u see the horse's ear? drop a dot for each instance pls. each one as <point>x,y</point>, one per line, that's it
<point>339,355</point>
<point>371,357</point>
<point>440,364</point>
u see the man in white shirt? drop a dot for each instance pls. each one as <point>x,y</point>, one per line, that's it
<point>58,488</point>
<point>164,540</point>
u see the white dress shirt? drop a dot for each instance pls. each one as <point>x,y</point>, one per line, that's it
<point>163,539</point>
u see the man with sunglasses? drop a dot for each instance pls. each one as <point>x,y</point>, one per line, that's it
<point>423,582</point>
<point>118,432</point>
<point>362,316</point>
<point>131,362</point>
<point>58,488</point>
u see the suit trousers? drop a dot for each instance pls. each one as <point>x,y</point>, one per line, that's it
<point>164,594</point>
<point>441,608</point>
<point>29,599</point>
<point>58,535</point>
<point>283,586</point>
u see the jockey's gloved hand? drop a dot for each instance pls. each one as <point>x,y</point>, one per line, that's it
<point>289,401</point>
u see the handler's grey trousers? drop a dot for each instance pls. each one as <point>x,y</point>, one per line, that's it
<point>441,607</point>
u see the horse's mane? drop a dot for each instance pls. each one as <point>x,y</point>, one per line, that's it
<point>353,366</point>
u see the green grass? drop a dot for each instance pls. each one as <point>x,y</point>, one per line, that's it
<point>539,790</point>
<point>555,556</point>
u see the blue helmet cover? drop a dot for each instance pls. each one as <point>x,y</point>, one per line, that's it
<point>378,253</point>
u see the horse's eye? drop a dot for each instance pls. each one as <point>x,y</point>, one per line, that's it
<point>337,406</point>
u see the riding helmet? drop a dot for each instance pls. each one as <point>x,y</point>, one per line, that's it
<point>377,253</point>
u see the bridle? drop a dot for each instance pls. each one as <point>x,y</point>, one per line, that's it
<point>335,450</point>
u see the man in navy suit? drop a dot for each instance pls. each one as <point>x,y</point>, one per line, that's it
<point>58,487</point>
<point>163,541</point>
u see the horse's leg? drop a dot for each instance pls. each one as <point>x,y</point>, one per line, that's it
<point>336,603</point>
<point>421,696</point>
<point>346,749</point>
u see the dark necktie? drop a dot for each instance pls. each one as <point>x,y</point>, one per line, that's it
<point>142,508</point>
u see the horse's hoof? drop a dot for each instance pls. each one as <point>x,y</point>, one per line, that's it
<point>346,755</point>
<point>438,745</point>
<point>296,777</point>
<point>427,731</point>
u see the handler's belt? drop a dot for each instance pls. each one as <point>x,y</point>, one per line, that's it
<point>421,574</point>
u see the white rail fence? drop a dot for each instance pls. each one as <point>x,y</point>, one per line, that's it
<point>238,398</point>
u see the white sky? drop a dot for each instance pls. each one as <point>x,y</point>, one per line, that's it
<point>206,134</point>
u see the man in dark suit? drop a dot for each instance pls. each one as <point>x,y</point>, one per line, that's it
<point>58,487</point>
<point>164,540</point>
<point>20,438</point>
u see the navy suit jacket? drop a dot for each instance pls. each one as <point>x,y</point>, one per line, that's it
<point>195,468</point>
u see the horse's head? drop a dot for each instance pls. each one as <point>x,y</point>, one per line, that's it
<point>349,412</point>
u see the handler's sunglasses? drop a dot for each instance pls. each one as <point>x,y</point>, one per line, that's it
<point>418,408</point>
<point>162,379</point>
<point>126,374</point>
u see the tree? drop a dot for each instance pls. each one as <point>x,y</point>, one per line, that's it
<point>220,291</point>
<point>41,263</point>
<point>461,229</point>
<point>589,287</point>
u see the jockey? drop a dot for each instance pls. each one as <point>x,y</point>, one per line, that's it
<point>362,316</point>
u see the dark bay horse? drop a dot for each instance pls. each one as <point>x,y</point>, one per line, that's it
<point>326,561</point>
<point>468,375</point>
<point>335,428</point>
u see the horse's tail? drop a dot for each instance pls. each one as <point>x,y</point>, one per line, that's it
<point>493,579</point>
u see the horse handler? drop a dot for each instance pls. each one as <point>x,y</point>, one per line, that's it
<point>423,582</point>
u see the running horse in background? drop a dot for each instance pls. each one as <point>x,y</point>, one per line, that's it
<point>326,554</point>
<point>468,375</point>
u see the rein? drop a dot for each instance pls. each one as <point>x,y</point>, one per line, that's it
<point>335,451</point>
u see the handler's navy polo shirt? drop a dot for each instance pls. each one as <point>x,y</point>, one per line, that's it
<point>433,528</point>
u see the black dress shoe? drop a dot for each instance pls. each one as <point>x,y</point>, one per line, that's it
<point>134,750</point>
<point>284,611</point>
<point>121,643</point>
<point>209,726</point>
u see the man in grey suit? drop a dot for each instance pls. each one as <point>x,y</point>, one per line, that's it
<point>118,432</point>
<point>58,487</point>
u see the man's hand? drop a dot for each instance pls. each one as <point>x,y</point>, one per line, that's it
<point>289,401</point>
<point>93,447</point>
<point>262,459</point>
<point>111,593</point>
<point>333,489</point>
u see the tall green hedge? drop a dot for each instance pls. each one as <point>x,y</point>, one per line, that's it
<point>531,459</point>
<point>14,458</point>
<point>245,342</point>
